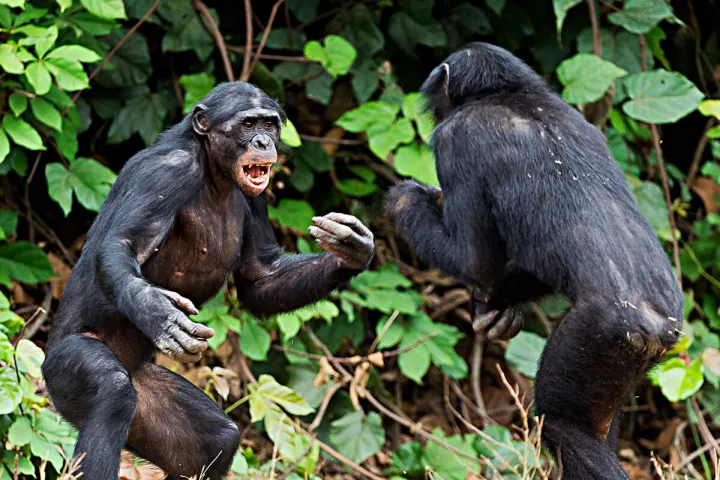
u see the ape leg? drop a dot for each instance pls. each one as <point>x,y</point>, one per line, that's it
<point>587,371</point>
<point>91,388</point>
<point>179,428</point>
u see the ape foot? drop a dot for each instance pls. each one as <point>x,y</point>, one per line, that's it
<point>406,194</point>
<point>651,344</point>
<point>499,324</point>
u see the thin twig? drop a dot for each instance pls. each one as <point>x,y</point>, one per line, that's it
<point>266,33</point>
<point>475,368</point>
<point>705,430</point>
<point>333,453</point>
<point>323,406</point>
<point>331,141</point>
<point>267,56</point>
<point>117,47</point>
<point>297,461</point>
<point>384,330</point>
<point>597,40</point>
<point>699,150</point>
<point>663,177</point>
<point>248,42</point>
<point>219,41</point>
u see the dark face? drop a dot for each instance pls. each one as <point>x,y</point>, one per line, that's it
<point>243,146</point>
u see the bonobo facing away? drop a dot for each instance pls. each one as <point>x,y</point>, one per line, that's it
<point>182,215</point>
<point>533,204</point>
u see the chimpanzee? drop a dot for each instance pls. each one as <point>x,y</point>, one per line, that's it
<point>533,203</point>
<point>182,215</point>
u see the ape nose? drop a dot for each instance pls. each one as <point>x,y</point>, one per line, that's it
<point>261,142</point>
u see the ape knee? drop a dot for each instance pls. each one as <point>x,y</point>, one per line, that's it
<point>221,450</point>
<point>649,332</point>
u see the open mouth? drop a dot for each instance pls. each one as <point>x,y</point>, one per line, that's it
<point>257,174</point>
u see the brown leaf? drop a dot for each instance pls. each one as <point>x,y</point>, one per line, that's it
<point>377,359</point>
<point>62,272</point>
<point>707,190</point>
<point>711,359</point>
<point>335,133</point>
<point>666,436</point>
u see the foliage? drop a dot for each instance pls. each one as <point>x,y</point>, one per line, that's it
<point>79,97</point>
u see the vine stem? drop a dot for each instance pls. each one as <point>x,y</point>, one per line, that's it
<point>663,176</point>
<point>266,33</point>
<point>248,42</point>
<point>597,40</point>
<point>215,31</point>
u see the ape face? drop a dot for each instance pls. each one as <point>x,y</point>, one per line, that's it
<point>243,144</point>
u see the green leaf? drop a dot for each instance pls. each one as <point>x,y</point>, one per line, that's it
<point>22,133</point>
<point>586,77</point>
<point>392,335</point>
<point>470,20</point>
<point>295,214</point>
<point>356,188</point>
<point>187,32</point>
<point>254,340</point>
<point>86,177</point>
<point>679,381</point>
<point>4,146</point>
<point>109,9</point>
<point>496,6</point>
<point>75,52</point>
<point>341,55</point>
<point>358,26</point>
<point>653,38</point>
<point>9,60</point>
<point>25,262</point>
<point>304,10</point>
<point>289,135</point>
<point>561,8</point>
<point>710,108</point>
<point>10,393</point>
<point>414,363</point>
<point>383,139</point>
<point>143,114</point>
<point>131,61</point>
<point>29,357</point>
<point>69,74</point>
<point>197,86</point>
<point>358,436</point>
<point>524,352</point>
<point>319,88</point>
<point>416,161</point>
<point>39,77</point>
<point>18,103</point>
<point>448,465</point>
<point>288,399</point>
<point>64,4</point>
<point>8,224</point>
<point>408,33</point>
<point>13,3</point>
<point>640,16</point>
<point>367,115</point>
<point>651,201</point>
<point>660,96</point>
<point>67,139</point>
<point>20,432</point>
<point>46,113</point>
<point>282,39</point>
<point>91,24</point>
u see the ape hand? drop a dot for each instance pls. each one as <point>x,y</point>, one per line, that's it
<point>498,324</point>
<point>407,194</point>
<point>177,336</point>
<point>345,237</point>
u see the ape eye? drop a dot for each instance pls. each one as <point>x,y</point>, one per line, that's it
<point>269,124</point>
<point>247,123</point>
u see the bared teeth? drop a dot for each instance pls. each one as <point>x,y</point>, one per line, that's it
<point>256,173</point>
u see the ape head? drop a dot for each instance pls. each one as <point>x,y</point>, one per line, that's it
<point>477,70</point>
<point>242,127</point>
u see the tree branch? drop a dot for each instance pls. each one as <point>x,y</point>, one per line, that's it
<point>264,38</point>
<point>597,40</point>
<point>248,42</point>
<point>218,38</point>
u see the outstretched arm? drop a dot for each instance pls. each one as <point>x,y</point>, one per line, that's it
<point>134,220</point>
<point>270,282</point>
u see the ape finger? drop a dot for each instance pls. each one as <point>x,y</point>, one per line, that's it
<point>516,326</point>
<point>483,321</point>
<point>502,324</point>
<point>320,234</point>
<point>338,230</point>
<point>180,301</point>
<point>351,222</point>
<point>170,347</point>
<point>195,329</point>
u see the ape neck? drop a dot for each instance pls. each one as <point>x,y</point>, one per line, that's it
<point>216,183</point>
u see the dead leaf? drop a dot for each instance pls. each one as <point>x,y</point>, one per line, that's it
<point>711,359</point>
<point>322,376</point>
<point>708,191</point>
<point>335,133</point>
<point>666,436</point>
<point>362,374</point>
<point>130,471</point>
<point>62,272</point>
<point>377,359</point>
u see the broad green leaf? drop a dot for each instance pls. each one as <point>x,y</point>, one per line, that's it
<point>4,146</point>
<point>319,87</point>
<point>341,55</point>
<point>75,52</point>
<point>281,431</point>
<point>561,8</point>
<point>143,114</point>
<point>67,139</point>
<point>46,113</point>
<point>496,6</point>
<point>586,77</point>
<point>388,276</point>
<point>415,362</point>
<point>197,86</point>
<point>91,24</point>
<point>383,139</point>
<point>289,135</point>
<point>392,335</point>
<point>314,51</point>
<point>651,201</point>
<point>640,16</point>
<point>356,188</point>
<point>39,77</point>
<point>13,3</point>
<point>416,161</point>
<point>69,74</point>
<point>524,352</point>
<point>188,31</point>
<point>653,38</point>
<point>131,62</point>
<point>10,393</point>
<point>677,380</point>
<point>295,214</point>
<point>18,103</point>
<point>408,33</point>
<point>22,133</point>
<point>304,10</point>
<point>282,39</point>
<point>254,340</point>
<point>29,357</point>
<point>358,436</point>
<point>359,26</point>
<point>710,108</point>
<point>20,432</point>
<point>367,115</point>
<point>86,177</point>
<point>408,460</point>
<point>110,9</point>
<point>269,388</point>
<point>660,96</point>
<point>9,60</point>
<point>25,262</point>
<point>447,464</point>
<point>365,80</point>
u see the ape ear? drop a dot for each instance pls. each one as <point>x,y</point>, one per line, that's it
<point>200,120</point>
<point>437,82</point>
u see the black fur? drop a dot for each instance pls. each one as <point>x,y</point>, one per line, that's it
<point>174,226</point>
<point>533,204</point>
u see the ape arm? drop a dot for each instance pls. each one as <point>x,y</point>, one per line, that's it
<point>135,220</point>
<point>270,282</point>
